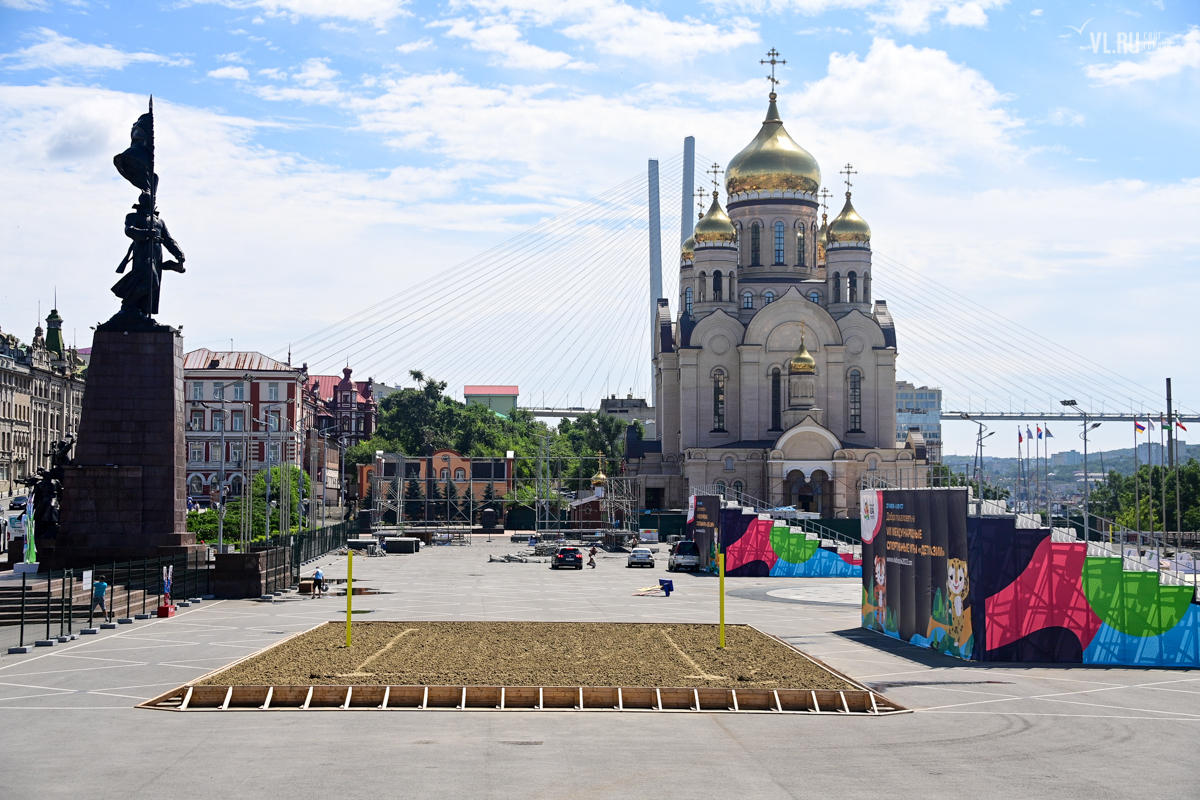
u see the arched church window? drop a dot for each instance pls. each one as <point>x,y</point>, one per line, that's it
<point>460,474</point>
<point>800,254</point>
<point>738,486</point>
<point>729,463</point>
<point>778,243</point>
<point>866,287</point>
<point>814,296</point>
<point>687,299</point>
<point>852,286</point>
<point>837,287</point>
<point>235,486</point>
<point>768,296</point>
<point>703,284</point>
<point>747,300</point>
<point>719,401</point>
<point>855,400</point>
<point>196,485</point>
<point>721,488</point>
<point>755,245</point>
<point>776,400</point>
<point>717,287</point>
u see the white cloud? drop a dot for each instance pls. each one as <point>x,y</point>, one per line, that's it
<point>505,40</point>
<point>376,12</point>
<point>1065,116</point>
<point>1172,56</point>
<point>906,16</point>
<point>233,58</point>
<point>274,74</point>
<point>55,51</point>
<point>1037,12</point>
<point>233,73</point>
<point>314,77</point>
<point>26,5</point>
<point>418,45</point>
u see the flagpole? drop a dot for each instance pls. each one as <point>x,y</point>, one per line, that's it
<point>1137,497</point>
<point>1162,459</point>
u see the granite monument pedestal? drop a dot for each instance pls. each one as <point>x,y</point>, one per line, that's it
<point>124,495</point>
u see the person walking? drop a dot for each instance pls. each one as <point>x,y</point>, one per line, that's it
<point>99,590</point>
<point>318,583</point>
<point>592,560</point>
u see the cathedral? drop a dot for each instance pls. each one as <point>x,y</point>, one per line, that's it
<point>776,383</point>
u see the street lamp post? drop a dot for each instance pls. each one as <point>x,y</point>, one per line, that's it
<point>1087,480</point>
<point>977,460</point>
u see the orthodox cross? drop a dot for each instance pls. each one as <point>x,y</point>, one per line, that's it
<point>700,193</point>
<point>715,170</point>
<point>773,55</point>
<point>848,171</point>
<point>825,194</point>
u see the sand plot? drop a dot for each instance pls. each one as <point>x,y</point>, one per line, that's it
<point>531,654</point>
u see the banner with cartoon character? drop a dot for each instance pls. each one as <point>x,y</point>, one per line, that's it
<point>914,567</point>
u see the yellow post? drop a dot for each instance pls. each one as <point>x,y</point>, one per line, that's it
<point>721,589</point>
<point>350,593</point>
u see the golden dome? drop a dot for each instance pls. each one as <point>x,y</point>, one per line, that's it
<point>715,226</point>
<point>689,249</point>
<point>600,479</point>
<point>772,161</point>
<point>848,226</point>
<point>802,363</point>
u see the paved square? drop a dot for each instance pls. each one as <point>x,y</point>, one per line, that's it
<point>980,730</point>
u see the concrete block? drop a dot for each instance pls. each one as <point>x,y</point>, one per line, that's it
<point>125,621</point>
<point>46,642</point>
<point>143,616</point>
<point>88,631</point>
<point>12,651</point>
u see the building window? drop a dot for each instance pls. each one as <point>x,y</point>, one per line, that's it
<point>272,391</point>
<point>837,287</point>
<point>855,400</point>
<point>721,488</point>
<point>814,296</point>
<point>800,254</point>
<point>239,391</point>
<point>717,286</point>
<point>198,390</point>
<point>703,283</point>
<point>239,421</point>
<point>719,401</point>
<point>755,245</point>
<point>866,287</point>
<point>218,391</point>
<point>214,452</point>
<point>237,452</point>
<point>218,421</point>
<point>768,297</point>
<point>779,244</point>
<point>687,300</point>
<point>776,400</point>
<point>346,424</point>
<point>274,455</point>
<point>729,463</point>
<point>444,475</point>
<point>272,420</point>
<point>460,474</point>
<point>852,286</point>
<point>235,486</point>
<point>747,300</point>
<point>195,452</point>
<point>197,423</point>
<point>196,485</point>
<point>737,491</point>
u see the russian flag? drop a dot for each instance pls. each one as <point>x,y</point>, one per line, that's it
<point>1139,427</point>
<point>1020,438</point>
<point>1180,424</point>
<point>1039,427</point>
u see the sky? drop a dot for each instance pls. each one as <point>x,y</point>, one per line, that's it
<point>316,155</point>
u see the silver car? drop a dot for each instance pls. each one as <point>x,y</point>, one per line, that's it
<point>640,557</point>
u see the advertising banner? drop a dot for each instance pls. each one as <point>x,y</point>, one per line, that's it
<point>704,524</point>
<point>914,567</point>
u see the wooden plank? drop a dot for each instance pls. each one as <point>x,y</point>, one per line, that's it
<point>675,698</point>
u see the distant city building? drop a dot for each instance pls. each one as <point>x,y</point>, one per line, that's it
<point>920,409</point>
<point>1067,458</point>
<point>1152,452</point>
<point>630,408</point>
<point>501,399</point>
<point>41,395</point>
<point>347,407</point>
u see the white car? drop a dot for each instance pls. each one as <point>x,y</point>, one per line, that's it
<point>640,557</point>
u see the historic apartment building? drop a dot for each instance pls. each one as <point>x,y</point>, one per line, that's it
<point>777,379</point>
<point>41,394</point>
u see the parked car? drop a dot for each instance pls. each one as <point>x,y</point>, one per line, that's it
<point>640,557</point>
<point>684,556</point>
<point>18,503</point>
<point>567,557</point>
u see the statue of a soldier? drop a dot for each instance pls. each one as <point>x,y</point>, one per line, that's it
<point>139,289</point>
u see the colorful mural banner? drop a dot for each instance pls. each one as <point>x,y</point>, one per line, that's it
<point>758,546</point>
<point>1029,598</point>
<point>916,584</point>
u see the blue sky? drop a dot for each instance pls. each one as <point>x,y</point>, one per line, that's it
<point>317,154</point>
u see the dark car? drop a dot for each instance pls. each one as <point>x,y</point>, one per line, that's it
<point>567,557</point>
<point>17,503</point>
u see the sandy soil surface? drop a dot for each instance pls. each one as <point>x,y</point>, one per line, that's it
<point>531,654</point>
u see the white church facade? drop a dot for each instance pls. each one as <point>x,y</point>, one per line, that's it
<point>777,379</point>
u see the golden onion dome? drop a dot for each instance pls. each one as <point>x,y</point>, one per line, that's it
<point>715,226</point>
<point>848,226</point>
<point>600,479</point>
<point>802,363</point>
<point>772,161</point>
<point>689,249</point>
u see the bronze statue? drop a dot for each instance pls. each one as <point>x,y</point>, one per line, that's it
<point>46,489</point>
<point>139,290</point>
